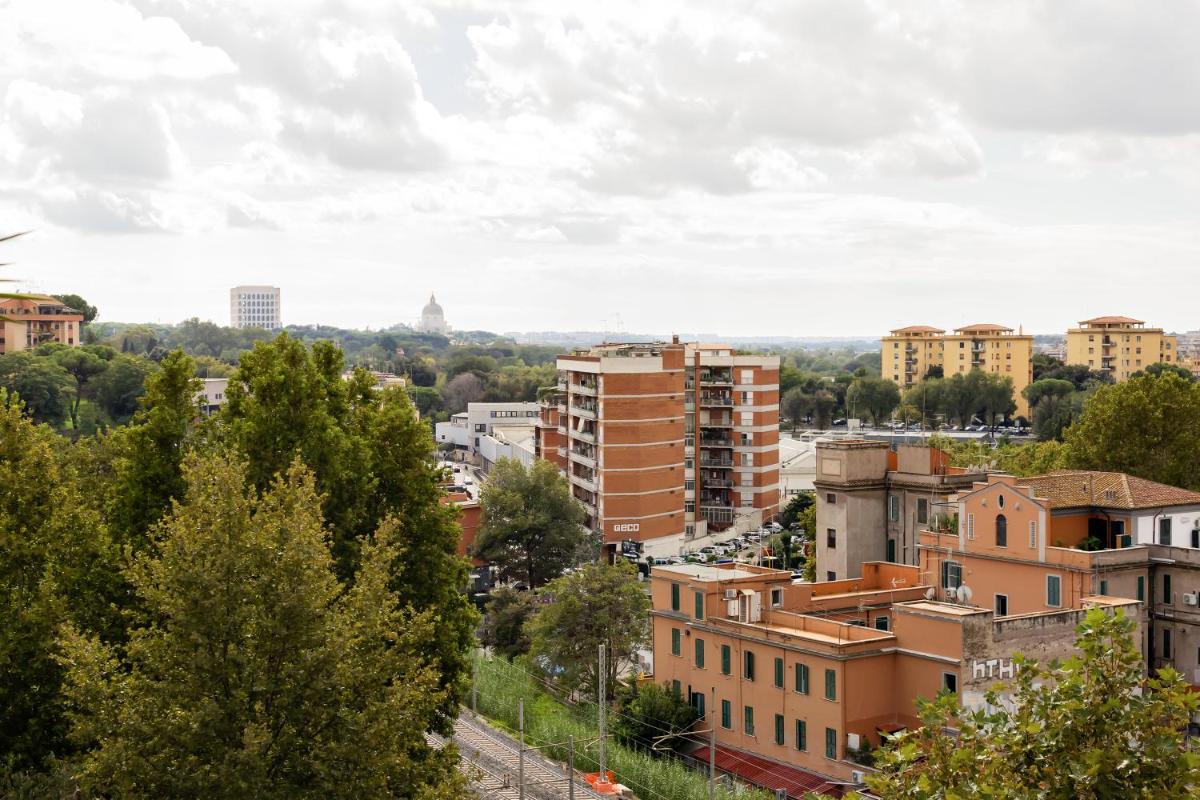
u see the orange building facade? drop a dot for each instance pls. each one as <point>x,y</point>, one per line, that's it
<point>31,321</point>
<point>810,676</point>
<point>663,442</point>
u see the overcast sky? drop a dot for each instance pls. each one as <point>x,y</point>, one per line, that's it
<point>788,168</point>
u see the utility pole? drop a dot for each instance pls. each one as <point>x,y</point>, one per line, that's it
<point>475,683</point>
<point>712,746</point>
<point>521,752</point>
<point>570,768</point>
<point>603,738</point>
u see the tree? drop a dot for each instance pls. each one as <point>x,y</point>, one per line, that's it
<point>119,389</point>
<point>1162,368</point>
<point>530,524</point>
<point>1055,405</point>
<point>924,400</point>
<point>796,404</point>
<point>877,397</point>
<point>45,388</point>
<point>1147,426</point>
<point>995,398</point>
<point>503,627</point>
<point>427,400</point>
<point>796,506</point>
<point>1090,727</point>
<point>76,302</point>
<point>650,711</point>
<point>824,403</point>
<point>82,365</point>
<point>254,673</point>
<point>599,604</point>
<point>462,390</point>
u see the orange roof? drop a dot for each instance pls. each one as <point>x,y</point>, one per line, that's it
<point>1079,488</point>
<point>918,329</point>
<point>1113,321</point>
<point>983,327</point>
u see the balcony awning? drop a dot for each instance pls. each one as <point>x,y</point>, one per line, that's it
<point>770,774</point>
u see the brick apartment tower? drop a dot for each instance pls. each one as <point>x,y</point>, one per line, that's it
<point>663,442</point>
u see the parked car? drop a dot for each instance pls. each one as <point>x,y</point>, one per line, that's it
<point>839,422</point>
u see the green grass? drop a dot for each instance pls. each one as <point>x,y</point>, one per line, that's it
<point>548,721</point>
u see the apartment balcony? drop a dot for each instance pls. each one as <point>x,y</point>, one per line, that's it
<point>586,412</point>
<point>584,436</point>
<point>562,409</point>
<point>713,441</point>
<point>716,462</point>
<point>716,379</point>
<point>583,483</point>
<point>583,389</point>
<point>562,385</point>
<point>717,423</point>
<point>562,452</point>
<point>689,406</point>
<point>583,458</point>
<point>716,483</point>
<point>716,399</point>
<point>717,518</point>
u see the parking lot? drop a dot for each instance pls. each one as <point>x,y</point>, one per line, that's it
<point>745,548</point>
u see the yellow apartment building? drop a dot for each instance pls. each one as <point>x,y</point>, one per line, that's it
<point>909,353</point>
<point>1119,346</point>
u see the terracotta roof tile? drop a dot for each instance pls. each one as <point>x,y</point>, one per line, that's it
<point>1113,321</point>
<point>918,329</point>
<point>1078,488</point>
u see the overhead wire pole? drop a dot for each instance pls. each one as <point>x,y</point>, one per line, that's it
<point>712,746</point>
<point>521,752</point>
<point>603,673</point>
<point>570,768</point>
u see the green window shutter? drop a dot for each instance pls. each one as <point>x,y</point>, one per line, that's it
<point>677,689</point>
<point>675,646</point>
<point>748,713</point>
<point>779,672</point>
<point>830,684</point>
<point>748,665</point>
<point>801,735</point>
<point>725,665</point>
<point>726,714</point>
<point>830,743</point>
<point>674,596</point>
<point>802,678</point>
<point>700,653</point>
<point>699,605</point>
<point>779,729</point>
<point>1141,588</point>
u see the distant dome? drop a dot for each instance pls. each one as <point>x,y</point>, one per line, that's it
<point>432,319</point>
<point>432,307</point>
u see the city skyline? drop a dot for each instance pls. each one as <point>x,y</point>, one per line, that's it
<point>507,157</point>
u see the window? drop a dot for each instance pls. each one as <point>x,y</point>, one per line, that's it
<point>1166,643</point>
<point>830,684</point>
<point>1141,588</point>
<point>949,682</point>
<point>747,376</point>
<point>675,642</point>
<point>951,574</point>
<point>1195,537</point>
<point>970,526</point>
<point>481,427</point>
<point>882,624</point>
<point>830,575</point>
<point>698,703</point>
<point>830,743</point>
<point>700,653</point>
<point>674,596</point>
<point>1033,534</point>
<point>748,720</point>
<point>893,508</point>
<point>1053,591</point>
<point>922,510</point>
<point>779,673</point>
<point>1001,605</point>
<point>676,689</point>
<point>1164,531</point>
<point>802,678</point>
<point>725,666</point>
<point>1167,596</point>
<point>748,665</point>
<point>1103,587</point>
<point>831,498</point>
<point>779,737</point>
<point>1001,530</point>
<point>726,714</point>
<point>699,605</point>
<point>776,597</point>
<point>891,550</point>
<point>801,735</point>
<point>830,537</point>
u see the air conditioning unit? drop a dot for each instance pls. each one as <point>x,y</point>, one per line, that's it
<point>1191,599</point>
<point>731,594</point>
<point>858,776</point>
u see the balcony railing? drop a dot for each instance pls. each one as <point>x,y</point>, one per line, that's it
<point>716,400</point>
<point>584,436</point>
<point>716,379</point>
<point>714,441</point>
<point>716,462</point>
<point>583,388</point>
<point>586,411</point>
<point>582,482</point>
<point>717,423</point>
<point>717,483</point>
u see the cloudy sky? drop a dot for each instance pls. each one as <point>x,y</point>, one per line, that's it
<point>788,168</point>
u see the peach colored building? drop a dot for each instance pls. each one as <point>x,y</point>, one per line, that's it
<point>664,442</point>
<point>33,320</point>
<point>1119,346</point>
<point>808,677</point>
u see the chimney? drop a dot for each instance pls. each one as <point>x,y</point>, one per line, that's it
<point>674,338</point>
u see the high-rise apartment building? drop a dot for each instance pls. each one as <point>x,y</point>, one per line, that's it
<point>909,353</point>
<point>1119,346</point>
<point>26,322</point>
<point>254,307</point>
<point>664,442</point>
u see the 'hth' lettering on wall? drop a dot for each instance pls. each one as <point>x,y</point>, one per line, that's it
<point>997,668</point>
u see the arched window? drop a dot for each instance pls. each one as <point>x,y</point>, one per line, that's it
<point>1001,531</point>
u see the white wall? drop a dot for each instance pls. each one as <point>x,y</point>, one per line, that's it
<point>1183,519</point>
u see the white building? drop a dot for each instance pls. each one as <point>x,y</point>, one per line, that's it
<point>212,395</point>
<point>254,307</point>
<point>466,430</point>
<point>797,467</point>
<point>432,319</point>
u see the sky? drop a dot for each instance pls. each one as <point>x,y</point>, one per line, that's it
<point>780,167</point>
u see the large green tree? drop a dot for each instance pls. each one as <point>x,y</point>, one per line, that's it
<point>119,389</point>
<point>45,388</point>
<point>599,604</point>
<point>1147,426</point>
<point>256,673</point>
<point>83,365</point>
<point>874,397</point>
<point>1055,405</point>
<point>503,627</point>
<point>1088,728</point>
<point>531,527</point>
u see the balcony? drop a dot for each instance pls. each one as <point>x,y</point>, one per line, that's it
<point>716,441</point>
<point>716,483</point>
<point>582,482</point>
<point>717,423</point>
<point>584,389</point>
<point>716,462</point>
<point>584,436</point>
<point>587,411</point>
<point>716,400</point>
<point>716,379</point>
<point>581,457</point>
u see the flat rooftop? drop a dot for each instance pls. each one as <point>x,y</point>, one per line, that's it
<point>934,607</point>
<point>708,572</point>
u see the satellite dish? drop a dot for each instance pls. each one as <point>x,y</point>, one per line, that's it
<point>964,593</point>
<point>930,593</point>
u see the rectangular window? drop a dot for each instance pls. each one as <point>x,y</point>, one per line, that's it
<point>676,689</point>
<point>725,665</point>
<point>801,735</point>
<point>700,653</point>
<point>1001,605</point>
<point>949,682</point>
<point>922,510</point>
<point>1167,596</point>
<point>1141,588</point>
<point>1103,587</point>
<point>779,672</point>
<point>1033,534</point>
<point>830,743</point>
<point>831,498</point>
<point>699,605</point>
<point>776,598</point>
<point>674,596</point>
<point>748,720</point>
<point>1166,643</point>
<point>951,574</point>
<point>726,714</point>
<point>675,646</point>
<point>970,526</point>
<point>748,665</point>
<point>830,575</point>
<point>830,537</point>
<point>891,551</point>
<point>882,624</point>
<point>1053,591</point>
<point>779,736</point>
<point>1164,531</point>
<point>894,508</point>
<point>802,678</point>
<point>830,684</point>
